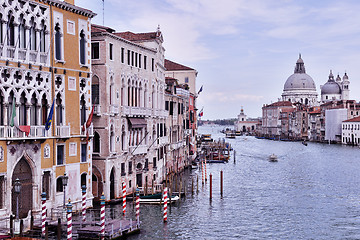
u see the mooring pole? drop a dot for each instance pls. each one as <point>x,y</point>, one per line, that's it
<point>210,186</point>
<point>221,183</point>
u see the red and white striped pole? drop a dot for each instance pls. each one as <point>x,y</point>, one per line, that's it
<point>124,197</point>
<point>102,216</point>
<point>165,204</point>
<point>69,220</point>
<point>83,205</point>
<point>205,170</point>
<point>202,170</point>
<point>137,205</point>
<point>43,212</point>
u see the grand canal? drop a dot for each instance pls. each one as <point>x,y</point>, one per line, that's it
<point>312,192</point>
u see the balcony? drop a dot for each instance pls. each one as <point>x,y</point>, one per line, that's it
<point>136,150</point>
<point>63,131</point>
<point>22,54</point>
<point>114,109</point>
<point>14,132</point>
<point>10,52</point>
<point>136,111</point>
<point>32,55</point>
<point>43,58</point>
<point>163,140</point>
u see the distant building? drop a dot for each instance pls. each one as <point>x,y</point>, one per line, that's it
<point>245,125</point>
<point>271,121</point>
<point>300,87</point>
<point>333,122</point>
<point>351,131</point>
<point>335,90</point>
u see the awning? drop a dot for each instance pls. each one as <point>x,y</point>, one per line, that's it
<point>137,122</point>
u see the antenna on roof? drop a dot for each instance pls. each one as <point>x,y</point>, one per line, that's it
<point>103,12</point>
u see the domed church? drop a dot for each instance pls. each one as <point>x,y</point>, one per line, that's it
<point>300,87</point>
<point>335,90</point>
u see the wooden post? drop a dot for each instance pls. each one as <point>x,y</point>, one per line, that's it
<point>197,184</point>
<point>210,186</point>
<point>59,229</point>
<point>180,186</point>
<point>21,227</point>
<point>31,222</point>
<point>146,188</point>
<point>221,183</point>
<point>11,225</point>
<point>234,156</point>
<point>46,231</point>
<point>152,186</point>
<point>192,186</point>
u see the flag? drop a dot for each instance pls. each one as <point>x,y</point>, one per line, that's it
<point>13,114</point>
<point>25,129</point>
<point>50,116</point>
<point>89,120</point>
<point>201,113</point>
<point>200,90</point>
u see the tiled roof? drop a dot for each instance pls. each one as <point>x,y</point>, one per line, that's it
<point>173,66</point>
<point>355,119</point>
<point>134,37</point>
<point>98,28</point>
<point>280,103</point>
<point>315,111</point>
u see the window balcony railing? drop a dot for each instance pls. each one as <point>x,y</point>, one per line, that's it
<point>22,54</point>
<point>14,132</point>
<point>10,52</point>
<point>163,140</point>
<point>114,109</point>
<point>136,150</point>
<point>43,57</point>
<point>63,131</point>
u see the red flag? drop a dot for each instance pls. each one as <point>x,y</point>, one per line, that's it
<point>25,129</point>
<point>89,120</point>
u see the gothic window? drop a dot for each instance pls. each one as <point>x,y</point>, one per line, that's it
<point>123,139</point>
<point>1,109</point>
<point>96,143</point>
<point>95,50</point>
<point>83,152</point>
<point>82,48</point>
<point>11,31</point>
<point>1,30</point>
<point>59,112</point>
<point>22,33</point>
<point>58,40</point>
<point>32,35</point>
<point>82,110</point>
<point>95,90</point>
<point>43,110</point>
<point>42,37</point>
<point>129,94</point>
<point>83,179</point>
<point>22,110</point>
<point>2,192</point>
<point>33,111</point>
<point>59,185</point>
<point>112,140</point>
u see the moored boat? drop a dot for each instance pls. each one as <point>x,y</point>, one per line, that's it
<point>156,199</point>
<point>273,158</point>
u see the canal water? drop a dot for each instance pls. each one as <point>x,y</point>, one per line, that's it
<point>312,192</point>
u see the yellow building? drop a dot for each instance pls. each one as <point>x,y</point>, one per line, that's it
<point>44,59</point>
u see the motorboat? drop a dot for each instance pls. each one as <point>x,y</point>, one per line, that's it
<point>157,199</point>
<point>273,158</point>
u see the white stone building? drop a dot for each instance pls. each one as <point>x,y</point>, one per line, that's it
<point>245,125</point>
<point>333,124</point>
<point>351,131</point>
<point>300,87</point>
<point>128,93</point>
<point>335,90</point>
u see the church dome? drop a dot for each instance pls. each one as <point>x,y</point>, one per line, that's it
<point>331,87</point>
<point>299,80</point>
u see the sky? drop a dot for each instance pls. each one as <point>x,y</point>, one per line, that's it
<point>243,50</point>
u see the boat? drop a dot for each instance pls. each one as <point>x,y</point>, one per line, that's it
<point>230,135</point>
<point>156,199</point>
<point>238,133</point>
<point>215,161</point>
<point>304,143</point>
<point>273,158</point>
<point>206,138</point>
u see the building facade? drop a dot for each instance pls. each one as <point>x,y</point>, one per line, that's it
<point>245,125</point>
<point>44,64</point>
<point>335,90</point>
<point>351,131</point>
<point>129,122</point>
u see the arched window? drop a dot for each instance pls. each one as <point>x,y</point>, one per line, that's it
<point>82,48</point>
<point>112,140</point>
<point>59,113</point>
<point>33,111</point>
<point>11,31</point>
<point>58,36</point>
<point>22,110</point>
<point>32,35</point>
<point>1,108</point>
<point>43,110</point>
<point>95,98</point>
<point>82,110</point>
<point>96,143</point>
<point>1,30</point>
<point>129,94</point>
<point>42,37</point>
<point>123,139</point>
<point>22,32</point>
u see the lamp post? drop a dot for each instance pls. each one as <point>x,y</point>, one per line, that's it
<point>65,179</point>
<point>17,189</point>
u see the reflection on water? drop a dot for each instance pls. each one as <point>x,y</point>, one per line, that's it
<point>312,192</point>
